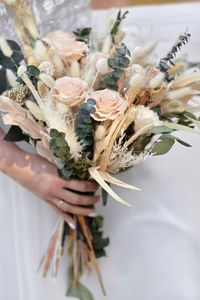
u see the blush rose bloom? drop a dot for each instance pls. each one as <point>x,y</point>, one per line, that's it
<point>66,45</point>
<point>108,104</point>
<point>70,91</point>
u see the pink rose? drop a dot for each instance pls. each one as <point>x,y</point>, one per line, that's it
<point>70,91</point>
<point>108,104</point>
<point>66,45</point>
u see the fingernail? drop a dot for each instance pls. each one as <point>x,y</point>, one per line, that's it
<point>72,226</point>
<point>92,215</point>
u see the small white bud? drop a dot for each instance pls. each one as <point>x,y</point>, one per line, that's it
<point>31,26</point>
<point>40,51</point>
<point>107,44</point>
<point>139,53</point>
<point>21,70</point>
<point>100,132</point>
<point>5,48</point>
<point>58,63</point>
<point>102,66</point>
<point>136,80</point>
<point>149,48</point>
<point>47,79</point>
<point>11,77</point>
<point>62,108</point>
<point>156,81</point>
<point>35,110</point>
<point>75,69</point>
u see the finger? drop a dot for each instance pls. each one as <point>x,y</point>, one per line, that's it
<point>77,199</point>
<point>68,219</point>
<point>76,210</point>
<point>82,185</point>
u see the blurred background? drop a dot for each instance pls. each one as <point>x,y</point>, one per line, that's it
<point>97,4</point>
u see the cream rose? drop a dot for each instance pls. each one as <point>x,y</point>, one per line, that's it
<point>66,45</point>
<point>108,104</point>
<point>70,91</point>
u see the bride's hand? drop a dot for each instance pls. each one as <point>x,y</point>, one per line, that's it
<point>41,178</point>
<point>54,190</point>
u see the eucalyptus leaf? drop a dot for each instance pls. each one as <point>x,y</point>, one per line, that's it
<point>80,292</point>
<point>160,129</point>
<point>163,146</point>
<point>105,195</point>
<point>15,134</point>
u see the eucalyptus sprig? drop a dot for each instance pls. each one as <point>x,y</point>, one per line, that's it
<point>118,63</point>
<point>86,126</point>
<point>115,28</point>
<point>83,34</point>
<point>163,64</point>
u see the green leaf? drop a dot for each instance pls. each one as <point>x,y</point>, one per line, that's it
<point>163,146</point>
<point>33,70</point>
<point>15,134</point>
<point>16,58</point>
<point>182,142</point>
<point>105,195</point>
<point>80,292</point>
<point>160,129</point>
<point>118,21</point>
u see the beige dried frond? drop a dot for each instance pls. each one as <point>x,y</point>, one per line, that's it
<point>157,96</point>
<point>179,65</point>
<point>16,115</point>
<point>25,22</point>
<point>123,159</point>
<point>186,80</point>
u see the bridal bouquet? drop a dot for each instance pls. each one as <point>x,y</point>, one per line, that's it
<point>93,107</point>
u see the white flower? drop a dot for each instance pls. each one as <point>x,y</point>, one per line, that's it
<point>145,116</point>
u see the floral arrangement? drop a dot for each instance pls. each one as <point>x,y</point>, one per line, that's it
<point>92,107</point>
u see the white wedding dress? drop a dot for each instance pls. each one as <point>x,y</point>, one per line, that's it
<point>155,245</point>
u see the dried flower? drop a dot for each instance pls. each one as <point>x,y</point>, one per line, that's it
<point>66,45</point>
<point>100,132</point>
<point>47,67</point>
<point>11,77</point>
<point>35,110</point>
<point>47,79</point>
<point>75,69</point>
<point>102,66</point>
<point>145,116</point>
<point>18,94</point>
<point>21,70</point>
<point>71,91</point>
<point>108,104</point>
<point>156,81</point>
<point>40,51</point>
<point>5,48</point>
<point>107,44</point>
<point>42,89</point>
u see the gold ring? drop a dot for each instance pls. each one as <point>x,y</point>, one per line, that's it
<point>60,203</point>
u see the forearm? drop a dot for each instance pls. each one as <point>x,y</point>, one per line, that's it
<point>20,165</point>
